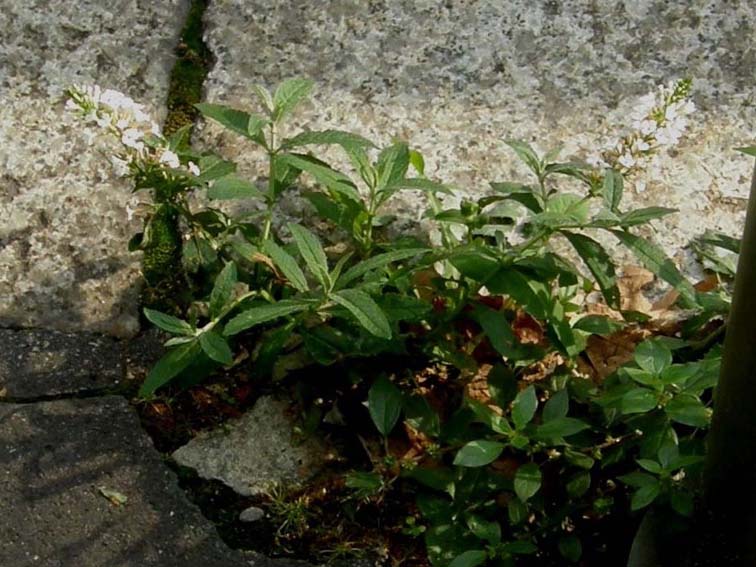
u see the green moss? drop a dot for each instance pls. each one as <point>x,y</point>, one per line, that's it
<point>161,264</point>
<point>189,72</point>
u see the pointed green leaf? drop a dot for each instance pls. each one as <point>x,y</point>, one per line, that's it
<point>377,262</point>
<point>560,427</point>
<point>288,95</point>
<point>216,347</point>
<point>287,264</point>
<point>238,121</point>
<point>263,314</point>
<point>527,481</point>
<point>478,453</point>
<point>232,187</point>
<point>526,154</point>
<point>644,496</point>
<point>312,252</point>
<point>470,558</point>
<point>170,366</point>
<point>557,406</point>
<point>642,216</point>
<point>653,357</point>
<point>488,531</point>
<point>599,263</point>
<point>392,165</point>
<point>365,310</point>
<point>751,150</point>
<point>323,174</point>
<point>638,400</point>
<point>168,322</point>
<point>223,289</point>
<point>417,184</point>
<point>385,405</point>
<point>653,258</point>
<point>688,410</point>
<point>524,407</point>
<point>613,187</point>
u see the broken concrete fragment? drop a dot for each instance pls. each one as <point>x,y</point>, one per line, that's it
<point>254,453</point>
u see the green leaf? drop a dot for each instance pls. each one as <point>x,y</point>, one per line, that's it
<point>170,366</point>
<point>654,259</point>
<point>243,123</point>
<point>599,263</point>
<point>653,357</point>
<point>642,216</point>
<point>213,167</point>
<point>287,264</point>
<point>232,187</point>
<point>526,154</point>
<point>488,531</point>
<point>311,250</point>
<point>288,95</point>
<point>417,184</point>
<point>612,189</point>
<point>688,410</point>
<point>223,289</point>
<point>560,427</point>
<point>519,193</point>
<point>478,453</point>
<point>644,496</point>
<point>216,347</point>
<point>476,262</point>
<point>598,325</point>
<point>417,161</point>
<point>323,174</point>
<point>751,150</point>
<point>502,385</point>
<point>327,137</point>
<point>169,322</point>
<point>385,405</point>
<point>579,484</point>
<point>524,407</point>
<point>376,262</point>
<point>682,503</point>
<point>570,548</point>
<point>649,465</point>
<point>470,558</point>
<point>527,481</point>
<point>365,310</point>
<point>557,406</point>
<point>638,479</point>
<point>263,314</point>
<point>517,511</point>
<point>527,291</point>
<point>392,165</point>
<point>638,400</point>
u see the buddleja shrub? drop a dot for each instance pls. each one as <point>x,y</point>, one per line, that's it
<point>520,469</point>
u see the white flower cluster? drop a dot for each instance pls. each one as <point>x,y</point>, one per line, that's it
<point>659,120</point>
<point>128,121</point>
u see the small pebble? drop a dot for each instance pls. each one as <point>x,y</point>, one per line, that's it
<point>251,514</point>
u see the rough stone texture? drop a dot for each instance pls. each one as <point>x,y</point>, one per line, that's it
<point>63,219</point>
<point>55,457</point>
<point>255,452</point>
<point>34,364</point>
<point>456,78</point>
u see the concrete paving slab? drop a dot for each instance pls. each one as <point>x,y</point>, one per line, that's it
<point>457,78</point>
<point>40,363</point>
<point>58,462</point>
<point>63,218</point>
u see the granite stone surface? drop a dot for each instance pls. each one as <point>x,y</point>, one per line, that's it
<point>36,364</point>
<point>64,222</point>
<point>81,484</point>
<point>457,78</point>
<point>254,453</point>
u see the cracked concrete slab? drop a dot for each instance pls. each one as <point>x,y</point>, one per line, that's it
<point>59,459</point>
<point>63,217</point>
<point>457,78</point>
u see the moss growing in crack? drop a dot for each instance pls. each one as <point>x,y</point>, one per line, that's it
<point>162,267</point>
